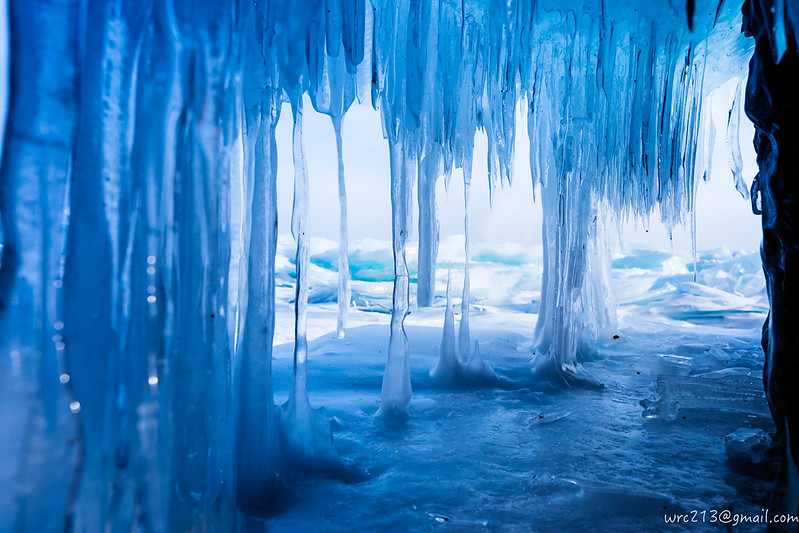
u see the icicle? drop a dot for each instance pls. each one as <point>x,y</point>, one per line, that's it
<point>448,368</point>
<point>344,288</point>
<point>464,337</point>
<point>734,143</point>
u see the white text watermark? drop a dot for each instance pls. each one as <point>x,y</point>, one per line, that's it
<point>727,517</point>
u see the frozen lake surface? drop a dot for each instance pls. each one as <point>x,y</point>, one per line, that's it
<point>684,372</point>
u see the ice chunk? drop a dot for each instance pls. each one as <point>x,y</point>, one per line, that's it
<point>747,444</point>
<point>705,396</point>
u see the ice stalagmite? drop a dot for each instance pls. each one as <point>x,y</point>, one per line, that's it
<point>448,368</point>
<point>455,367</point>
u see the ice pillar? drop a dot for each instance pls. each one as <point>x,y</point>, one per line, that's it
<point>396,390</point>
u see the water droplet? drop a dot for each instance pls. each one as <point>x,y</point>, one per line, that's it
<point>74,407</point>
<point>151,270</point>
<point>150,259</point>
<point>151,299</point>
<point>151,289</point>
<point>60,346</point>
<point>63,378</point>
<point>153,381</point>
<point>58,283</point>
<point>58,326</point>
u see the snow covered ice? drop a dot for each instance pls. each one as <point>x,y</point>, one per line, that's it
<point>181,350</point>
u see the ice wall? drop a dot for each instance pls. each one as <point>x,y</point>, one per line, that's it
<point>771,104</point>
<point>139,223</point>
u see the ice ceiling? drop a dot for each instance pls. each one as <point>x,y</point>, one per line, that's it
<point>139,214</point>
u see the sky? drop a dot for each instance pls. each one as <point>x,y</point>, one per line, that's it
<point>723,217</point>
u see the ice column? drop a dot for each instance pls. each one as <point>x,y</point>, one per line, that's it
<point>396,390</point>
<point>257,463</point>
<point>392,22</point>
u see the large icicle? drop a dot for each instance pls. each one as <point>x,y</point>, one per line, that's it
<point>332,94</point>
<point>306,439</point>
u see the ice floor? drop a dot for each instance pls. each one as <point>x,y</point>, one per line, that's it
<point>683,374</point>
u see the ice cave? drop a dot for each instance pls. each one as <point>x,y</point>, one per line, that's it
<point>399,265</point>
